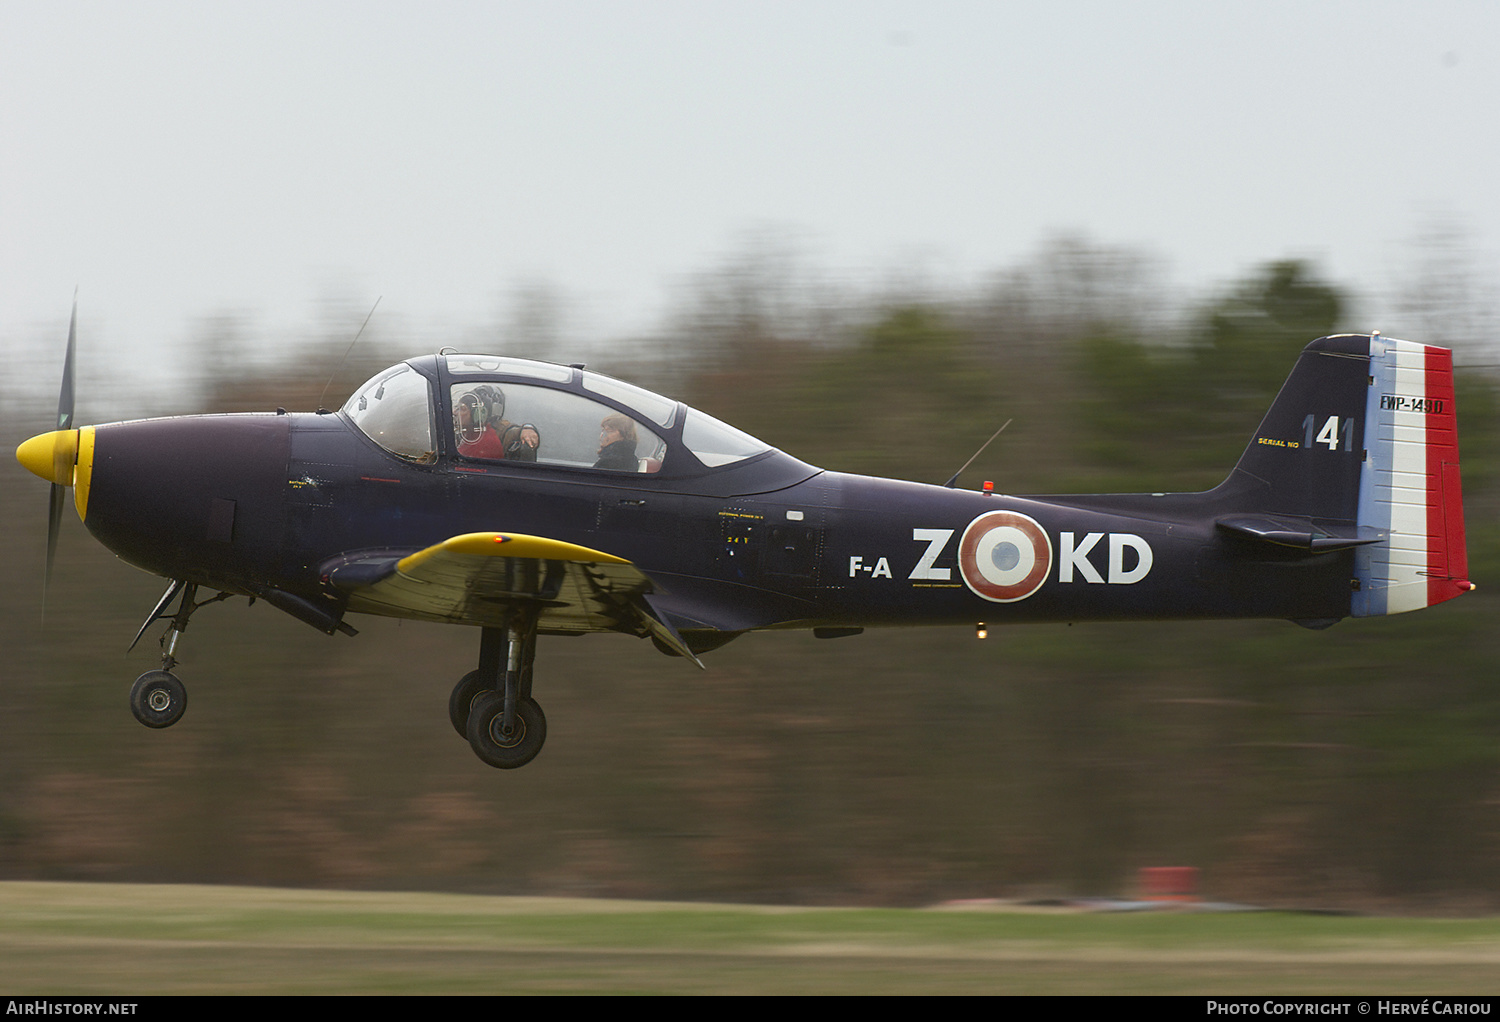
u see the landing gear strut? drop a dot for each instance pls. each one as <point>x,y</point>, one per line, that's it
<point>158,698</point>
<point>492,707</point>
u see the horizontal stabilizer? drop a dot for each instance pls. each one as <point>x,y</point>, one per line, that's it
<point>1298,534</point>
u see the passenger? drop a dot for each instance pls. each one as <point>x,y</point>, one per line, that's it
<point>617,440</point>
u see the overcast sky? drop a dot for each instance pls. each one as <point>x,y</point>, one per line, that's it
<point>182,160</point>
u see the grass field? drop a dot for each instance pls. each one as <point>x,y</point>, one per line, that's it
<point>140,940</point>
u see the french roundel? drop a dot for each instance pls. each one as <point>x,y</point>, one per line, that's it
<point>1004,556</point>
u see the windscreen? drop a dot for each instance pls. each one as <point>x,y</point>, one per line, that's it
<point>395,410</point>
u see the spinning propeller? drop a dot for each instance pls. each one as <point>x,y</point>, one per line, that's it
<point>54,455</point>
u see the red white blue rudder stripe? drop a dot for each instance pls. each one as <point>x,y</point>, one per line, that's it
<point>1409,484</point>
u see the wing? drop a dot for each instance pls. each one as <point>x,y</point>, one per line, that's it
<point>481,578</point>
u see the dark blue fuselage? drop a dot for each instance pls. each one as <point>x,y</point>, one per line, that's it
<point>249,502</point>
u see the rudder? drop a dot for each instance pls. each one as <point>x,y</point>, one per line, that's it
<point>1410,489</point>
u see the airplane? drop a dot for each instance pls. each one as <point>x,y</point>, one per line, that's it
<point>534,498</point>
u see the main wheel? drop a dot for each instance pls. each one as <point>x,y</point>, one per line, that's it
<point>497,747</point>
<point>158,699</point>
<point>461,703</point>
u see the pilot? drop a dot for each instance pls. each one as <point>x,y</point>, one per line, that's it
<point>617,440</point>
<point>471,424</point>
<point>521,442</point>
<point>484,432</point>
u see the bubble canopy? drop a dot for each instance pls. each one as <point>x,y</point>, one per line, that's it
<point>491,409</point>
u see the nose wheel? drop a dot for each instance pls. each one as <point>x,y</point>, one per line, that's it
<point>158,699</point>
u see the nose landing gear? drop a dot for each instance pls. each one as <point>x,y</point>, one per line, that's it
<point>158,698</point>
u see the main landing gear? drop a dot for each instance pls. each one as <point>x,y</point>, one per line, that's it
<point>492,707</point>
<point>158,698</point>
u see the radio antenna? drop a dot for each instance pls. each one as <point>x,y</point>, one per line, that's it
<point>950,482</point>
<point>351,348</point>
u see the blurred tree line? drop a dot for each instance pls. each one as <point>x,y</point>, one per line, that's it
<point>1356,767</point>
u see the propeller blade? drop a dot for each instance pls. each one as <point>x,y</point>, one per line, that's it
<point>58,496</point>
<point>65,396</point>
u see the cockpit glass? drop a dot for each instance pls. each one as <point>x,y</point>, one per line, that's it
<point>460,365</point>
<point>395,410</point>
<point>715,443</point>
<point>658,409</point>
<point>514,422</point>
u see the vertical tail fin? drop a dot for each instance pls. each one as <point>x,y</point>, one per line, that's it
<point>1360,452</point>
<point>1306,459</point>
<point>1410,490</point>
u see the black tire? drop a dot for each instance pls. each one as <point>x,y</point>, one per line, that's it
<point>461,702</point>
<point>158,699</point>
<point>500,750</point>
